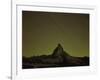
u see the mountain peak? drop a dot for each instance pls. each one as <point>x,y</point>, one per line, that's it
<point>59,45</point>
<point>58,50</point>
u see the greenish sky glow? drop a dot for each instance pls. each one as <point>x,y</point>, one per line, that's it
<point>42,31</point>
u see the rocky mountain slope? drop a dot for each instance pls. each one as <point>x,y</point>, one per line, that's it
<point>59,58</point>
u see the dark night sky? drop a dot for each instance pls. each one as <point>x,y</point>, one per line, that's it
<point>42,31</point>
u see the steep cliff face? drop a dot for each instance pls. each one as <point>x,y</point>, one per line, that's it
<point>58,51</point>
<point>60,54</point>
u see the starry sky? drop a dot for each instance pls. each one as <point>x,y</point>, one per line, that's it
<point>42,31</point>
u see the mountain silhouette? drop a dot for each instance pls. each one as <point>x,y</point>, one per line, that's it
<point>59,58</point>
